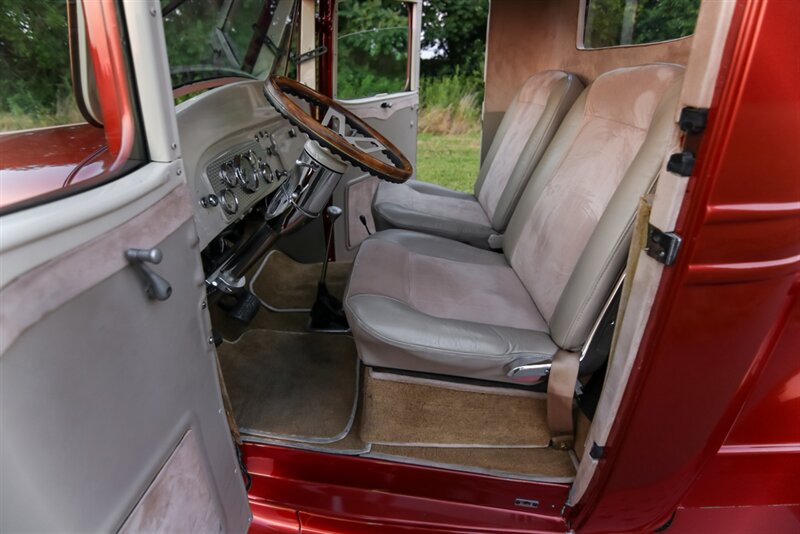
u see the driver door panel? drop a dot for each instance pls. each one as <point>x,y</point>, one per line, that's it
<point>114,393</point>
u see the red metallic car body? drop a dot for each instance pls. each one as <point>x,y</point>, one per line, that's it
<point>708,434</point>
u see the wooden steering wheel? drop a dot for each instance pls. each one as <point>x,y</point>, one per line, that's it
<point>339,130</point>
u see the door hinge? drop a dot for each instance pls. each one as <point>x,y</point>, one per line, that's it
<point>308,56</point>
<point>597,452</point>
<point>681,163</point>
<point>663,246</point>
<point>693,120</point>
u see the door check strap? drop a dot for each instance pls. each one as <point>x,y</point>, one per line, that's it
<point>560,398</point>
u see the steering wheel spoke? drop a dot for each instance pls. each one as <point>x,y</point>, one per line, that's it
<point>339,130</point>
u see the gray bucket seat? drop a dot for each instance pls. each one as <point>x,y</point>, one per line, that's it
<point>426,303</point>
<point>527,127</point>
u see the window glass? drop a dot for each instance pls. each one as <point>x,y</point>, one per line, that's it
<point>209,39</point>
<point>35,86</point>
<point>47,149</point>
<point>631,22</point>
<point>372,46</point>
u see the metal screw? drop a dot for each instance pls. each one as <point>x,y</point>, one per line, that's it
<point>180,171</point>
<point>173,146</point>
<point>210,340</point>
<point>152,12</point>
<point>203,305</point>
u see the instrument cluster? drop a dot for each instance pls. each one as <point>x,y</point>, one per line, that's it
<point>243,174</point>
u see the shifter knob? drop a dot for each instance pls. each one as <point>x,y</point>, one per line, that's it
<point>333,212</point>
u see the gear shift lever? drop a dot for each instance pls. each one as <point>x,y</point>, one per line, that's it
<point>327,314</point>
<point>333,213</point>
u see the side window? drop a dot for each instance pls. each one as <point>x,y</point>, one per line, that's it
<point>35,87</point>
<point>47,148</point>
<point>372,48</point>
<point>632,22</point>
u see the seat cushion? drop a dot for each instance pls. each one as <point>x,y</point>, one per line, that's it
<point>527,127</point>
<point>431,209</point>
<point>430,304</point>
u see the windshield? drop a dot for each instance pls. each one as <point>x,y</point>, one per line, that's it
<point>209,39</point>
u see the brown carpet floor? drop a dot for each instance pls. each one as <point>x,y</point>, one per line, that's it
<point>531,462</point>
<point>291,385</point>
<point>285,283</point>
<point>403,413</point>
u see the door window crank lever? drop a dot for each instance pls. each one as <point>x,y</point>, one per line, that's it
<point>154,285</point>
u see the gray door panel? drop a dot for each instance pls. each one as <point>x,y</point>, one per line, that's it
<point>95,397</point>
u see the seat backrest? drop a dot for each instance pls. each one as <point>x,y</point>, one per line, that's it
<point>527,127</point>
<point>568,238</point>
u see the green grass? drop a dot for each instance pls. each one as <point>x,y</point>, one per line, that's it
<point>65,111</point>
<point>449,160</point>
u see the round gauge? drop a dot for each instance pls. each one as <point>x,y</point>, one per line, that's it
<point>246,167</point>
<point>228,201</point>
<point>266,172</point>
<point>227,175</point>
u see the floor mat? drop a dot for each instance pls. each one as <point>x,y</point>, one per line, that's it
<point>293,386</point>
<point>403,412</point>
<point>541,462</point>
<point>284,284</point>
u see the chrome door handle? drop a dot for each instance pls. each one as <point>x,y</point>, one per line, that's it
<point>155,287</point>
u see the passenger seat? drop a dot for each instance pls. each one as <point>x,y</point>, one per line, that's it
<point>424,303</point>
<point>527,127</point>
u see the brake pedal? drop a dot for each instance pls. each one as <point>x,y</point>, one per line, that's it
<point>245,308</point>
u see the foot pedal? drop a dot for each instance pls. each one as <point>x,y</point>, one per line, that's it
<point>327,314</point>
<point>245,308</point>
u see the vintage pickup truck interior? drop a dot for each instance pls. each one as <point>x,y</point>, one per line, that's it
<point>232,278</point>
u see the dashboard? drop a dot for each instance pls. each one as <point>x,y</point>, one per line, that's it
<point>237,151</point>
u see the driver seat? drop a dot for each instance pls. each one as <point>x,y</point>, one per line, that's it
<point>527,127</point>
<point>426,303</point>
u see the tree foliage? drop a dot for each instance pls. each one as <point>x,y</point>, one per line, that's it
<point>373,43</point>
<point>455,30</point>
<point>372,47</point>
<point>34,56</point>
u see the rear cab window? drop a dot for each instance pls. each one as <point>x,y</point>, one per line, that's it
<point>610,23</point>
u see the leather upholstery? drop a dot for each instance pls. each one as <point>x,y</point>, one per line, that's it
<point>528,126</point>
<point>431,209</point>
<point>569,237</point>
<point>425,303</point>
